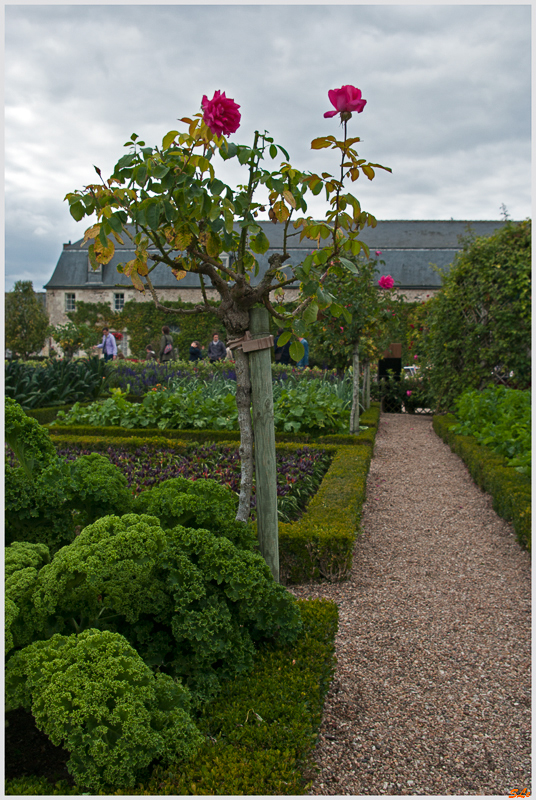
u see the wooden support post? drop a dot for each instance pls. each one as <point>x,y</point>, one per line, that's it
<point>260,367</point>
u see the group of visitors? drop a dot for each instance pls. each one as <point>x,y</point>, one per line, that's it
<point>216,351</point>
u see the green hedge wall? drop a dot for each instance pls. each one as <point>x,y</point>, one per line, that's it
<point>510,490</point>
<point>260,732</point>
<point>319,546</point>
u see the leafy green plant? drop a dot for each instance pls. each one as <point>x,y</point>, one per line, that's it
<point>477,329</point>
<point>306,406</point>
<point>46,497</point>
<point>189,601</point>
<point>92,693</point>
<point>196,504</point>
<point>22,562</point>
<point>56,382</point>
<point>499,418</point>
<point>309,407</point>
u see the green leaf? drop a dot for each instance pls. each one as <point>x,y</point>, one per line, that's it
<point>77,210</point>
<point>259,243</point>
<point>273,151</point>
<point>153,215</point>
<point>170,211</point>
<point>310,314</point>
<point>284,338</point>
<point>140,175</point>
<point>216,186</point>
<point>349,265</point>
<point>299,327</point>
<point>336,309</point>
<point>296,351</point>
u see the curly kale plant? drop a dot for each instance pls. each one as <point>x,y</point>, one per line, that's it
<point>196,504</point>
<point>100,488</point>
<point>189,601</point>
<point>46,498</point>
<point>23,561</point>
<point>92,693</point>
<point>27,438</point>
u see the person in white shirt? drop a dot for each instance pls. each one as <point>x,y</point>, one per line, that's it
<point>108,345</point>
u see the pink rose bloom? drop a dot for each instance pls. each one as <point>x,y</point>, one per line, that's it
<point>378,253</point>
<point>221,114</point>
<point>415,357</point>
<point>345,100</point>
<point>408,393</point>
<point>386,282</point>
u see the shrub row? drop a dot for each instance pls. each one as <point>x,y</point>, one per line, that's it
<point>319,546</point>
<point>259,732</point>
<point>510,490</point>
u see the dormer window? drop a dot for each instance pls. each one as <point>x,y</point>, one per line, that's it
<point>94,275</point>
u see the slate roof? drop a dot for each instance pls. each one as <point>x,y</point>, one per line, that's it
<point>409,248</point>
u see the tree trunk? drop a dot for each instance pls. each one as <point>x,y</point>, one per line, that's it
<point>243,404</point>
<point>265,463</point>
<point>354,415</point>
<point>366,388</point>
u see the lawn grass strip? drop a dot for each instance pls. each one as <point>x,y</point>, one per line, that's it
<point>510,490</point>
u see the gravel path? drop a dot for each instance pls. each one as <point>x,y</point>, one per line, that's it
<point>432,690</point>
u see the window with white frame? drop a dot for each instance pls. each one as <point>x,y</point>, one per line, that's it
<point>70,301</point>
<point>119,301</point>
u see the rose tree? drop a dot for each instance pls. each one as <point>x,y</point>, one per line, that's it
<point>169,202</point>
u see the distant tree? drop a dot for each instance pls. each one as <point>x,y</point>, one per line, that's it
<point>477,330</point>
<point>27,324</point>
<point>373,307</point>
<point>72,338</point>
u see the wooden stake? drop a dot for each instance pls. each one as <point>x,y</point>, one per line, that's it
<point>260,368</point>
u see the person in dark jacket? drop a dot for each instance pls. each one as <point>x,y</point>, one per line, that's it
<point>195,351</point>
<point>216,349</point>
<point>166,351</point>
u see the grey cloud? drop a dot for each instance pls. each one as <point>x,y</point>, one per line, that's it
<point>447,89</point>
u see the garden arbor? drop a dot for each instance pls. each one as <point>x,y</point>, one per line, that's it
<point>185,217</point>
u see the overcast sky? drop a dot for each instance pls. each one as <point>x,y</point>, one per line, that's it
<point>447,89</point>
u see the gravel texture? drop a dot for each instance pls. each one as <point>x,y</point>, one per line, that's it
<point>432,690</point>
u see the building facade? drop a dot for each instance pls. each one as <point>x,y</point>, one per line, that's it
<point>412,250</point>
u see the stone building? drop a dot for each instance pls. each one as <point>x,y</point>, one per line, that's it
<point>410,249</point>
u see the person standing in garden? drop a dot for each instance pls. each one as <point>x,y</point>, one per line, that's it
<point>196,352</point>
<point>216,349</point>
<point>304,360</point>
<point>108,345</point>
<point>166,351</point>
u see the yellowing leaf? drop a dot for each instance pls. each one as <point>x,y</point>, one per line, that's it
<point>213,244</point>
<point>104,254</point>
<point>91,233</point>
<point>183,239</point>
<point>179,274</point>
<point>281,211</point>
<point>168,139</point>
<point>289,197</point>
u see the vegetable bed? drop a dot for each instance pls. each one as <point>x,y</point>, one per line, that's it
<point>299,473</point>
